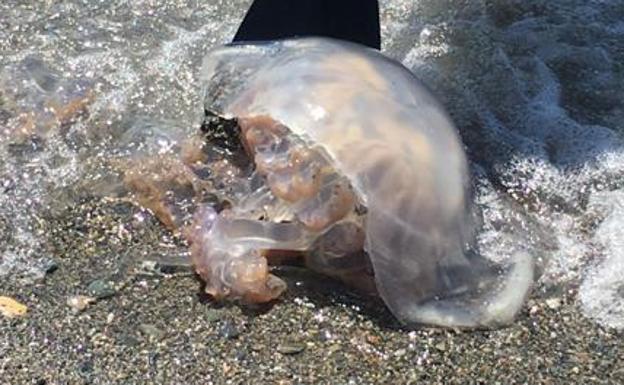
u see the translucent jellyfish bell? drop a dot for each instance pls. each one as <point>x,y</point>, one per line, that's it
<point>349,142</point>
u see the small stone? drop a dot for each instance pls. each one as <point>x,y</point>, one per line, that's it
<point>85,368</point>
<point>256,347</point>
<point>229,331</point>
<point>373,340</point>
<point>148,267</point>
<point>553,303</point>
<point>10,308</point>
<point>400,353</point>
<point>79,303</point>
<point>153,268</point>
<point>129,340</point>
<point>291,348</point>
<point>101,289</point>
<point>49,266</point>
<point>152,358</point>
<point>441,346</point>
<point>152,332</point>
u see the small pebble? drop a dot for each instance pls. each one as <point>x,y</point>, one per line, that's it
<point>229,331</point>
<point>291,348</point>
<point>400,353</point>
<point>553,303</point>
<point>79,303</point>
<point>101,289</point>
<point>85,368</point>
<point>50,266</point>
<point>152,358</point>
<point>10,308</point>
<point>256,347</point>
<point>152,332</point>
<point>241,355</point>
<point>440,346</point>
<point>153,268</point>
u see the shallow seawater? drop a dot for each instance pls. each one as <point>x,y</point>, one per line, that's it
<point>535,88</point>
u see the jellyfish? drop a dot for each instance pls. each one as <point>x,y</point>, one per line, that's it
<point>356,169</point>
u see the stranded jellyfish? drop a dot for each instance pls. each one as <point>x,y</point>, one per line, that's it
<point>356,169</point>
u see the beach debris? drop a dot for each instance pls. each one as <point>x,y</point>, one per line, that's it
<point>359,172</point>
<point>352,169</point>
<point>80,303</point>
<point>10,308</point>
<point>290,348</point>
<point>102,289</point>
<point>228,330</point>
<point>152,332</point>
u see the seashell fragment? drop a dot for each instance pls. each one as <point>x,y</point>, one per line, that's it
<point>10,308</point>
<point>359,169</point>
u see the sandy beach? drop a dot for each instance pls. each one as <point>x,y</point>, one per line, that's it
<point>150,324</point>
<point>91,288</point>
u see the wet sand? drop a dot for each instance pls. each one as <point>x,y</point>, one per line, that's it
<point>150,324</point>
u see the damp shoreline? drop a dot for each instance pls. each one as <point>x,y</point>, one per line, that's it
<point>150,323</point>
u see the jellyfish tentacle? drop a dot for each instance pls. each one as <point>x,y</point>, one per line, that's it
<point>227,253</point>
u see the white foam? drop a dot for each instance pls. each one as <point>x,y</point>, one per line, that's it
<point>602,292</point>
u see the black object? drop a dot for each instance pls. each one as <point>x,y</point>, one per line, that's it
<point>352,20</point>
